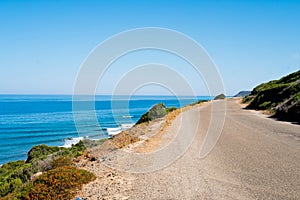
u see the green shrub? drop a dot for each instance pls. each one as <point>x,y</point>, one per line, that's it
<point>170,109</point>
<point>198,102</point>
<point>40,152</point>
<point>13,175</point>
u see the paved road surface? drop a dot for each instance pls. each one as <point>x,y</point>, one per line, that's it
<point>255,158</point>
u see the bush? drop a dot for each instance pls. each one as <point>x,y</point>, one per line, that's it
<point>13,175</point>
<point>40,152</point>
<point>170,109</point>
<point>59,183</point>
<point>198,102</point>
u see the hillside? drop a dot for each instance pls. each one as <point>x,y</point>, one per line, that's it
<point>281,97</point>
<point>242,94</point>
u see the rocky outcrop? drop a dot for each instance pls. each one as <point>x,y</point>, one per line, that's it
<point>220,96</point>
<point>157,111</point>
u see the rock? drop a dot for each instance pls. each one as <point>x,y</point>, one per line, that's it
<point>36,175</point>
<point>220,96</point>
<point>157,111</point>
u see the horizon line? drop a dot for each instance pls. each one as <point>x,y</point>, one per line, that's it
<point>29,94</point>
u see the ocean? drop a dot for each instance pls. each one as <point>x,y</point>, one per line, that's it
<point>29,120</point>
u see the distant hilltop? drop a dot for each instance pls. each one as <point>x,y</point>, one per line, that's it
<point>281,97</point>
<point>242,94</point>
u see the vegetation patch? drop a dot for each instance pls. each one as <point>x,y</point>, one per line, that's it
<point>13,175</point>
<point>281,97</point>
<point>170,109</point>
<point>18,178</point>
<point>198,102</point>
<point>59,183</point>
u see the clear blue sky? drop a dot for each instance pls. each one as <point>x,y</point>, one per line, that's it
<point>43,43</point>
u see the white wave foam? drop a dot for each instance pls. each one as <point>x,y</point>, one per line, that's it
<point>72,141</point>
<point>113,133</point>
<point>119,129</point>
<point>113,129</point>
<point>127,116</point>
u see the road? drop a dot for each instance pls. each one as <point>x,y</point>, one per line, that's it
<point>255,158</point>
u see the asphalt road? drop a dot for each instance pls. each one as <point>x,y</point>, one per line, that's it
<point>254,158</point>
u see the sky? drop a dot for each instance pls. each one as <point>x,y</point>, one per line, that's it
<point>43,44</point>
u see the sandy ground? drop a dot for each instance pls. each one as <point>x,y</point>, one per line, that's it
<point>255,158</point>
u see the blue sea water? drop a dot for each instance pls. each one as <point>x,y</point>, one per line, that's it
<point>29,120</point>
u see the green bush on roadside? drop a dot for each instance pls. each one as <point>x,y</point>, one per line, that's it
<point>58,183</point>
<point>15,177</point>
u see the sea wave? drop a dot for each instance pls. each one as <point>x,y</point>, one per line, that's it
<point>72,141</point>
<point>116,130</point>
